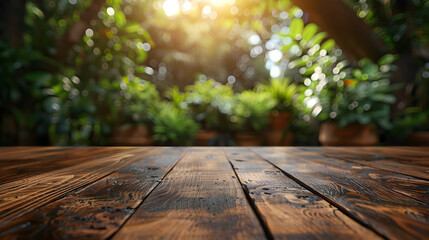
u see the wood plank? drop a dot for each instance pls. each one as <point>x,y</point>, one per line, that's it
<point>282,202</point>
<point>30,161</point>
<point>413,149</point>
<point>385,162</point>
<point>391,214</point>
<point>404,184</point>
<point>416,155</point>
<point>200,198</point>
<point>98,210</point>
<point>23,196</point>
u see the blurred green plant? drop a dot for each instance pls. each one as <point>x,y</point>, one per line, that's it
<point>364,96</point>
<point>79,94</point>
<point>250,112</point>
<point>282,90</point>
<point>307,50</point>
<point>139,98</point>
<point>172,126</point>
<point>27,100</point>
<point>210,104</point>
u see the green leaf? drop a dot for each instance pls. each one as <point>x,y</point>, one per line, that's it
<point>328,45</point>
<point>286,48</point>
<point>317,39</point>
<point>296,26</point>
<point>132,27</point>
<point>387,59</point>
<point>120,18</point>
<point>309,31</point>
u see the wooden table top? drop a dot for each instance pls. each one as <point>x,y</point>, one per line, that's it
<point>214,193</point>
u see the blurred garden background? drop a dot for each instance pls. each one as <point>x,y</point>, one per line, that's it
<point>214,72</point>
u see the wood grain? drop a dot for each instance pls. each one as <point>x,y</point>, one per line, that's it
<point>23,196</point>
<point>282,202</point>
<point>97,211</point>
<point>415,188</point>
<point>30,161</point>
<point>352,188</point>
<point>378,159</point>
<point>200,198</point>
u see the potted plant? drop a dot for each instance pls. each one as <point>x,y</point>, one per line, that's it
<point>352,108</point>
<point>172,126</point>
<point>138,98</point>
<point>210,104</point>
<point>283,92</point>
<point>250,115</point>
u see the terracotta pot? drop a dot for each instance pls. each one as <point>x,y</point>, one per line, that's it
<point>134,135</point>
<point>203,137</point>
<point>247,139</point>
<point>279,120</point>
<point>420,138</point>
<point>351,135</point>
<point>273,137</point>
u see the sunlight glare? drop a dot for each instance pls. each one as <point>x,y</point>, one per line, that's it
<point>187,6</point>
<point>275,55</point>
<point>219,3</point>
<point>171,7</point>
<point>275,71</point>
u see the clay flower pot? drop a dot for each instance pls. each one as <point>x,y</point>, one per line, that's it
<point>134,135</point>
<point>351,135</point>
<point>204,136</point>
<point>273,137</point>
<point>419,138</point>
<point>279,119</point>
<point>247,139</point>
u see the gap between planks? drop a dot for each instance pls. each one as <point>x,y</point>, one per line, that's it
<point>391,215</point>
<point>200,198</point>
<point>281,201</point>
<point>20,197</point>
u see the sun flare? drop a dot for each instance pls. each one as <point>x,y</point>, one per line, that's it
<point>171,7</point>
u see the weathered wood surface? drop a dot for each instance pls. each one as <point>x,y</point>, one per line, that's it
<point>403,184</point>
<point>22,196</point>
<point>26,162</point>
<point>200,198</point>
<point>291,211</point>
<point>356,189</point>
<point>214,193</point>
<point>401,162</point>
<point>98,210</point>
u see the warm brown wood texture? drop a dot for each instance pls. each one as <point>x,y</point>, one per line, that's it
<point>282,202</point>
<point>214,193</point>
<point>97,211</point>
<point>22,196</point>
<point>200,198</point>
<point>357,189</point>
<point>393,160</point>
<point>20,163</point>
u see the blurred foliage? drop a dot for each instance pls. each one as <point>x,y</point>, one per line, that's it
<point>210,104</point>
<point>282,90</point>
<point>396,22</point>
<point>404,26</point>
<point>132,49</point>
<point>251,110</point>
<point>139,98</point>
<point>172,126</point>
<point>27,100</point>
<point>364,96</point>
<point>208,37</point>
